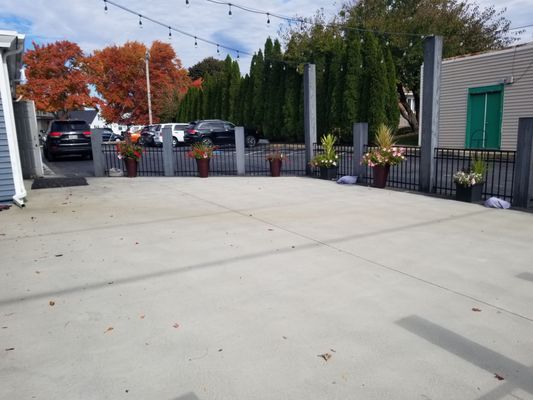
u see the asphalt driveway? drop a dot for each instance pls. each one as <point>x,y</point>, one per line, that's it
<point>262,288</point>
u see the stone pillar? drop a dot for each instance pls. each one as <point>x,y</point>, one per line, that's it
<point>430,110</point>
<point>98,155</point>
<point>239,150</point>
<point>360,141</point>
<point>168,159</point>
<point>309,113</point>
<point>523,170</point>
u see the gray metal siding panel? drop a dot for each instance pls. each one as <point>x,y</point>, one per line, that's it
<point>7,185</point>
<point>461,74</point>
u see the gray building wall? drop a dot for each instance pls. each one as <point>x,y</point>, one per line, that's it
<point>460,74</point>
<point>7,185</point>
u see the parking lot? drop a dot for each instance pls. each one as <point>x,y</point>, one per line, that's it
<point>263,288</point>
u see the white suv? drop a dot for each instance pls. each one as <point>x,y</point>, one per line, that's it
<point>178,131</point>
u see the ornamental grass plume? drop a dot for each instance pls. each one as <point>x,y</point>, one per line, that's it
<point>201,150</point>
<point>329,157</point>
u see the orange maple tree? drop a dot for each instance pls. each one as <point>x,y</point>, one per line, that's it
<point>119,75</point>
<point>56,78</point>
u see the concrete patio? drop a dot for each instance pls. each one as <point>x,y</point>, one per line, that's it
<point>262,288</point>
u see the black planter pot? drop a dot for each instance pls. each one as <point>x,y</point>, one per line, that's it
<point>469,194</point>
<point>328,173</point>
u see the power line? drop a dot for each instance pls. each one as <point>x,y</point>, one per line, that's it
<point>521,27</point>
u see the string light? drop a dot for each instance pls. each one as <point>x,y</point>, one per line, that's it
<point>229,11</point>
<point>187,3</point>
<point>342,68</point>
<point>218,49</point>
<point>410,44</point>
<point>169,33</point>
<point>105,6</point>
<point>195,42</point>
<point>238,55</point>
<point>140,21</point>
<point>268,18</point>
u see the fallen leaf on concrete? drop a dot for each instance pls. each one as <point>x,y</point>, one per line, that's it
<point>136,242</point>
<point>284,337</point>
<point>10,349</point>
<point>109,329</point>
<point>110,283</point>
<point>176,325</point>
<point>325,356</point>
<point>219,350</point>
<point>499,377</point>
<point>332,350</point>
<point>37,272</point>
<point>270,229</point>
<point>142,316</point>
<point>59,255</point>
<point>52,303</point>
<point>476,309</point>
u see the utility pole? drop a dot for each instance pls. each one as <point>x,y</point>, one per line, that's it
<point>147,60</point>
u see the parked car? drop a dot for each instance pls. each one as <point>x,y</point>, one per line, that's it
<point>69,137</point>
<point>216,131</point>
<point>178,133</point>
<point>147,135</point>
<point>107,134</point>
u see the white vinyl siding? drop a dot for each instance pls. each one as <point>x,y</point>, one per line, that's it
<point>460,74</point>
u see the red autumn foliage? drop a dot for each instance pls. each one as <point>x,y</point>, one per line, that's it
<point>118,73</point>
<point>56,78</point>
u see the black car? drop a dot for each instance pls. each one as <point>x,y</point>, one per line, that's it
<point>147,135</point>
<point>67,138</point>
<point>107,134</point>
<point>216,131</point>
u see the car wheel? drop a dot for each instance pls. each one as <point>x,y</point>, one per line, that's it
<point>48,156</point>
<point>175,142</point>
<point>251,141</point>
<point>207,141</point>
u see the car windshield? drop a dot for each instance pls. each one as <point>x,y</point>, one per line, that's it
<point>67,126</point>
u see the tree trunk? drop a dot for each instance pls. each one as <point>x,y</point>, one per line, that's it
<point>407,113</point>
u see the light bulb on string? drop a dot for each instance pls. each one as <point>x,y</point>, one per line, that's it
<point>169,33</point>
<point>268,19</point>
<point>411,44</point>
<point>404,53</point>
<point>195,42</point>
<point>342,68</point>
<point>283,67</point>
<point>105,6</point>
<point>238,55</point>
<point>387,43</point>
<point>140,22</point>
<point>229,11</point>
<point>218,49</point>
<point>461,44</point>
<point>187,3</point>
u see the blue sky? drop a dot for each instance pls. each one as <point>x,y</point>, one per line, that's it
<point>84,22</point>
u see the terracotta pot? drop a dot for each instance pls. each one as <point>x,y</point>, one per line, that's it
<point>131,167</point>
<point>328,173</point>
<point>275,167</point>
<point>203,167</point>
<point>469,194</point>
<point>381,173</point>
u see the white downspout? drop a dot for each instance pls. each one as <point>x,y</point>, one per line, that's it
<point>9,116</point>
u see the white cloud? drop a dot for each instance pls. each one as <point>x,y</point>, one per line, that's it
<point>86,23</point>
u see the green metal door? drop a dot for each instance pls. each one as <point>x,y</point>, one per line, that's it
<point>484,118</point>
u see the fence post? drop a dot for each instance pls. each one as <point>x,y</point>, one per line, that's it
<point>98,155</point>
<point>360,141</point>
<point>430,110</point>
<point>523,171</point>
<point>309,114</point>
<point>168,162</point>
<point>239,150</point>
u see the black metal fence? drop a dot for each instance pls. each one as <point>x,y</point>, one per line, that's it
<point>405,175</point>
<point>345,162</point>
<point>221,164</point>
<point>256,164</point>
<point>499,178</point>
<point>150,164</point>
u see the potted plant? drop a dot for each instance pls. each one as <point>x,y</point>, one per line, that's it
<point>381,157</point>
<point>328,160</point>
<point>131,154</point>
<point>202,153</point>
<point>469,184</point>
<point>275,159</point>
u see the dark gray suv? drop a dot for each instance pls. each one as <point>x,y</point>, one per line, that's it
<point>67,138</point>
<point>217,131</point>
